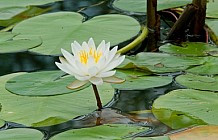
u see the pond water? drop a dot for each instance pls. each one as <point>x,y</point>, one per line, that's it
<point>124,103</point>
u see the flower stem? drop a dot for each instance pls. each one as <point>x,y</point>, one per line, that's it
<point>97,97</point>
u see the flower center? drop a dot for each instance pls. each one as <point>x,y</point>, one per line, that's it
<point>85,55</point>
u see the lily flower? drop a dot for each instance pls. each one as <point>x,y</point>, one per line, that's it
<point>89,63</point>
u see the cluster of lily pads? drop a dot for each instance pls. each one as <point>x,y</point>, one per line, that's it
<point>40,99</point>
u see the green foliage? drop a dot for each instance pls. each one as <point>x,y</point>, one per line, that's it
<point>185,107</point>
<point>103,132</point>
<point>198,82</point>
<point>48,110</point>
<point>190,49</point>
<point>69,26</point>
<point>41,84</point>
<point>140,5</point>
<point>21,134</point>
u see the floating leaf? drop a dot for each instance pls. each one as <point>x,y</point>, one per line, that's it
<point>160,62</point>
<point>198,82</point>
<point>208,68</point>
<point>2,123</point>
<point>21,134</point>
<point>190,49</point>
<point>153,138</point>
<point>141,5</point>
<point>69,26</point>
<point>5,36</point>
<point>48,110</point>
<point>24,3</point>
<point>103,132</point>
<point>41,84</point>
<point>185,107</point>
<point>197,133</point>
<point>135,82</point>
<point>212,10</point>
<point>19,45</point>
<point>9,12</point>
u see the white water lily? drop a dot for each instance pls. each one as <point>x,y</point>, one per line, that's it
<point>91,64</point>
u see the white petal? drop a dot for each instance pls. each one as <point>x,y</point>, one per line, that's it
<point>96,80</point>
<point>64,68</point>
<point>77,84</point>
<point>82,78</point>
<point>113,79</point>
<point>91,61</point>
<point>85,46</point>
<point>114,64</point>
<point>106,74</point>
<point>91,43</point>
<point>71,68</point>
<point>82,68</point>
<point>93,71</point>
<point>101,46</point>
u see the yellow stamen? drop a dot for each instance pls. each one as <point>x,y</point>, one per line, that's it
<point>84,55</point>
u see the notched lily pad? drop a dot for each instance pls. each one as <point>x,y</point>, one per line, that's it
<point>135,81</point>
<point>42,83</point>
<point>49,110</point>
<point>140,6</point>
<point>21,134</point>
<point>186,107</point>
<point>2,123</point>
<point>70,26</point>
<point>103,132</point>
<point>208,68</point>
<point>160,62</point>
<point>198,82</point>
<point>190,49</point>
<point>19,45</point>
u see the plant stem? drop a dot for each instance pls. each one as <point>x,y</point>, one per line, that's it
<point>97,97</point>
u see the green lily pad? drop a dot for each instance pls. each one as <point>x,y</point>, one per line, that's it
<point>185,107</point>
<point>190,49</point>
<point>160,62</point>
<point>103,132</point>
<point>198,82</point>
<point>141,5</point>
<point>208,68</point>
<point>19,45</point>
<point>69,26</point>
<point>153,138</point>
<point>21,134</point>
<point>2,123</point>
<point>5,36</point>
<point>41,84</point>
<point>140,82</point>
<point>48,110</point>
<point>24,3</point>
<point>212,10</point>
<point>9,12</point>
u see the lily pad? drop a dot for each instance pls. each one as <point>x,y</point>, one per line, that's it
<point>153,138</point>
<point>19,45</point>
<point>212,10</point>
<point>160,62</point>
<point>2,123</point>
<point>190,49</point>
<point>24,3</point>
<point>212,23</point>
<point>198,82</point>
<point>185,107</point>
<point>103,132</point>
<point>140,6</point>
<point>21,134</point>
<point>208,68</point>
<point>135,82</point>
<point>209,132</point>
<point>9,12</point>
<point>69,26</point>
<point>41,84</point>
<point>5,36</point>
<point>48,110</point>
